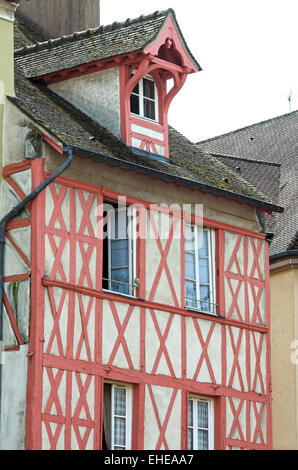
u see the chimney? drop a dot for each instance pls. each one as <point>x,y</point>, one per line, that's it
<point>56,18</point>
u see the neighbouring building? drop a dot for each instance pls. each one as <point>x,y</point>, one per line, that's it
<point>141,323</point>
<point>266,155</point>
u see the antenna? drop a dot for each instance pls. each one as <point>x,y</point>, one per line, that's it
<point>290,101</point>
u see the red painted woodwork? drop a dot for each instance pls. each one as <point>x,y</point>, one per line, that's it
<point>72,295</point>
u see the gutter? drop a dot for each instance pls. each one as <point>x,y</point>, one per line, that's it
<point>176,179</point>
<point>11,215</point>
<point>284,254</point>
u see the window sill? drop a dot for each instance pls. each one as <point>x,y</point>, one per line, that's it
<point>203,312</point>
<point>127,296</point>
<point>143,118</point>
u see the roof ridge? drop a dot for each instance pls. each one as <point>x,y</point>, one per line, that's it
<point>247,127</point>
<point>91,31</point>
<point>251,160</point>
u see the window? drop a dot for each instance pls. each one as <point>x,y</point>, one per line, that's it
<point>200,424</point>
<point>200,269</point>
<point>143,100</point>
<point>117,416</point>
<point>119,249</point>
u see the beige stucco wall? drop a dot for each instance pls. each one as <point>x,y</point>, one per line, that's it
<point>284,331</point>
<point>97,95</point>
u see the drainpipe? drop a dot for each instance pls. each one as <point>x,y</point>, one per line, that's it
<point>11,215</point>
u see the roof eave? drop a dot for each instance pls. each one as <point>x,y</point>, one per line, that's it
<point>178,180</point>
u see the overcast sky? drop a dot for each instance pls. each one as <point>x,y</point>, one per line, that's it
<point>247,50</point>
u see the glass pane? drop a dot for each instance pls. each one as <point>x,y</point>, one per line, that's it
<point>190,413</point>
<point>202,440</point>
<point>149,109</point>
<point>205,298</point>
<point>189,238</point>
<point>119,253</point>
<point>148,89</point>
<point>136,89</point>
<point>203,243</point>
<point>134,104</point>
<point>204,270</point>
<point>202,414</point>
<point>122,276</point>
<point>120,401</point>
<point>190,439</point>
<point>119,431</point>
<point>190,268</point>
<point>190,294</point>
<point>121,223</point>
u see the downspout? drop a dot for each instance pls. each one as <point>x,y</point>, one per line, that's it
<point>11,215</point>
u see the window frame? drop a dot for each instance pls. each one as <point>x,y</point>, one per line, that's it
<point>141,98</point>
<point>211,238</point>
<point>128,416</point>
<point>132,249</point>
<point>196,399</point>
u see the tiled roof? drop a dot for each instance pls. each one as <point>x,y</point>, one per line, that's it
<point>276,141</point>
<point>93,45</point>
<point>187,162</point>
<point>294,243</point>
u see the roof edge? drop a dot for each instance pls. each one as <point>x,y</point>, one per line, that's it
<point>100,29</point>
<point>250,160</point>
<point>177,180</point>
<point>265,121</point>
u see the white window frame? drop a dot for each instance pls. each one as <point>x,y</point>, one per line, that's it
<point>195,399</point>
<point>128,416</point>
<point>132,235</point>
<point>141,97</point>
<point>211,266</point>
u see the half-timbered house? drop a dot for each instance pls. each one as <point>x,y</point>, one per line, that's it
<point>136,282</point>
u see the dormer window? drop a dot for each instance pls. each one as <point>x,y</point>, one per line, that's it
<point>144,99</point>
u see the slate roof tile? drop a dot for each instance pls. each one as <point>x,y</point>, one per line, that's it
<point>275,141</point>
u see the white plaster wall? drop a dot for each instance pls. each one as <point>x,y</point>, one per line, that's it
<point>97,95</point>
<point>162,397</point>
<point>172,343</point>
<point>131,335</point>
<point>13,413</point>
<point>194,350</point>
<point>163,293</point>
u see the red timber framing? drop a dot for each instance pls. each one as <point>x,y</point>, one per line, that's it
<point>80,335</point>
<point>165,59</point>
<point>9,175</point>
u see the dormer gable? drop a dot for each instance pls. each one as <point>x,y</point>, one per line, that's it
<point>124,76</point>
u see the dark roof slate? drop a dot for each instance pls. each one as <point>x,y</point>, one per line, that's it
<point>93,45</point>
<point>72,127</point>
<point>275,141</point>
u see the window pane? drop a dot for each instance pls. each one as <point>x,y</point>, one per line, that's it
<point>190,268</point>
<point>119,253</point>
<point>203,243</point>
<point>119,431</point>
<point>136,89</point>
<point>202,440</point>
<point>122,276</point>
<point>202,414</point>
<point>189,238</point>
<point>134,104</point>
<point>204,270</point>
<point>190,439</point>
<point>190,413</point>
<point>190,294</point>
<point>149,109</point>
<point>148,88</point>
<point>205,298</point>
<point>120,401</point>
